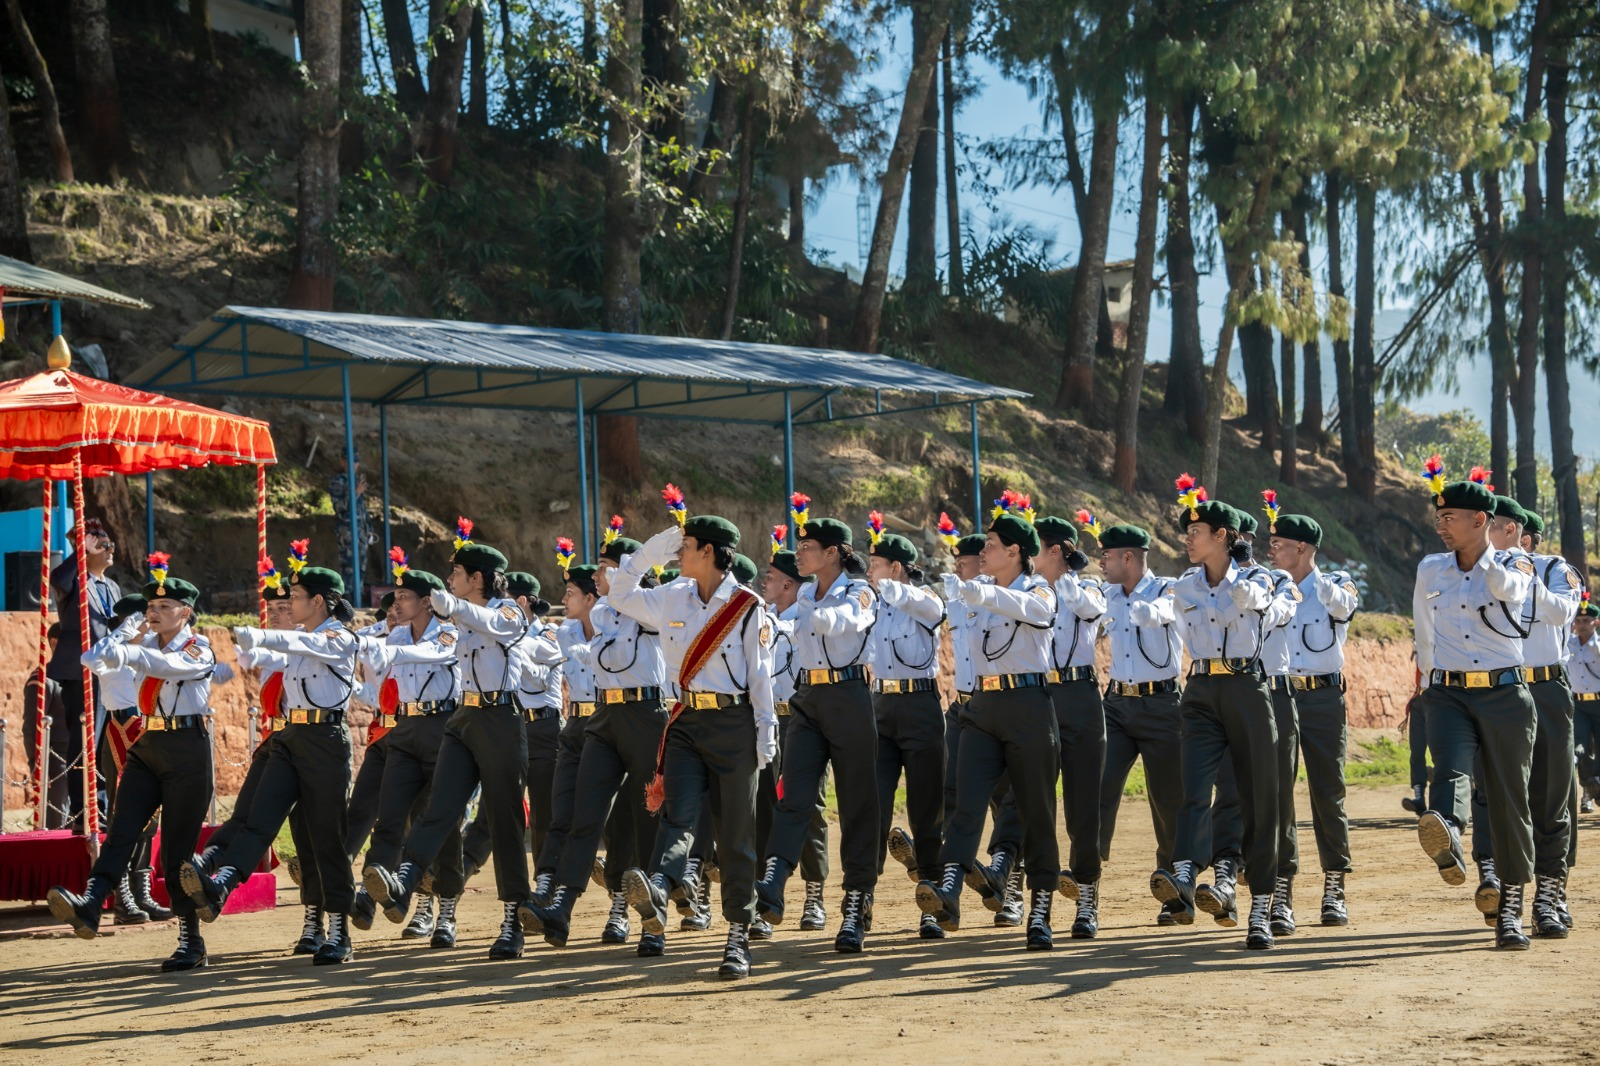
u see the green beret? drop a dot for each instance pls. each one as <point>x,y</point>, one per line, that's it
<point>385,603</point>
<point>784,563</point>
<point>896,549</point>
<point>1465,496</point>
<point>319,581</point>
<point>1053,530</point>
<point>616,550</point>
<point>175,588</point>
<point>743,569</point>
<point>131,604</point>
<point>671,573</point>
<point>582,577</point>
<point>270,593</point>
<point>1298,527</point>
<point>1534,524</point>
<point>971,544</point>
<point>709,529</point>
<point>1014,529</point>
<point>480,557</point>
<point>828,532</point>
<point>522,583</point>
<point>1123,537</point>
<point>1506,507</point>
<point>1213,513</point>
<point>1248,523</point>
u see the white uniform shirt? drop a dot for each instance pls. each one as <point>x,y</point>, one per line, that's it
<point>1080,604</point>
<point>1214,626</point>
<point>1143,628</point>
<point>1011,629</point>
<point>835,630</point>
<point>183,665</point>
<point>487,635</point>
<point>1548,611</point>
<point>1451,611</point>
<point>905,639</point>
<point>1321,623</point>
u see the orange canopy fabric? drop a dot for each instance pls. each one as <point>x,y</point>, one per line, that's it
<point>47,417</point>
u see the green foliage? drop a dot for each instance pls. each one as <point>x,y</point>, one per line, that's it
<point>1456,436</point>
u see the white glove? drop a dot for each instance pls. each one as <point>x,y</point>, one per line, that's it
<point>659,550</point>
<point>892,593</point>
<point>221,674</point>
<point>766,744</point>
<point>1241,595</point>
<point>88,658</point>
<point>1142,613</point>
<point>1326,587</point>
<point>244,636</point>
<point>952,585</point>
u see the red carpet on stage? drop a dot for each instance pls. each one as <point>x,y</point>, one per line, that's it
<point>32,863</point>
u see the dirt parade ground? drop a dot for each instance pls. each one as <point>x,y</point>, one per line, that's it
<point>1413,978</point>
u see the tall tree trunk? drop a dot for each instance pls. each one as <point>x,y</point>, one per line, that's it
<point>591,32</point>
<point>205,49</point>
<point>1489,227</point>
<point>1526,474</point>
<point>508,58</point>
<point>1563,460</point>
<point>1310,425</point>
<point>1261,380</point>
<point>705,183</point>
<point>442,113</point>
<point>741,210</point>
<point>1083,313</point>
<point>1066,98</point>
<point>952,201</point>
<point>13,213</point>
<point>1124,463</point>
<point>107,150</point>
<point>409,91</point>
<point>44,85</point>
<point>875,279</point>
<point>1286,358</point>
<point>1342,372</point>
<point>621,303</point>
<point>1364,367</point>
<point>478,78</point>
<point>1186,386</point>
<point>311,284</point>
<point>352,146</point>
<point>922,205</point>
<point>664,71</point>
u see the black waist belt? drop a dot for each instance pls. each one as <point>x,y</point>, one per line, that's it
<point>890,686</point>
<point>501,698</point>
<point>1586,696</point>
<point>833,677</point>
<point>963,697</point>
<point>311,716</point>
<point>1511,675</point>
<point>424,708</point>
<point>711,701</point>
<point>628,695</point>
<point>539,714</point>
<point>1002,682</point>
<point>161,723</point>
<point>1224,667</point>
<point>1311,682</point>
<point>1142,688</point>
<point>1546,673</point>
<point>1281,683</point>
<point>123,714</point>
<point>1071,673</point>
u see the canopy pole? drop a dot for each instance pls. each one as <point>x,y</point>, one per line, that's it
<point>977,473</point>
<point>599,524</point>
<point>61,486</point>
<point>788,463</point>
<point>383,449</point>
<point>583,471</point>
<point>41,727</point>
<point>350,488</point>
<point>91,786</point>
<point>149,512</point>
<point>261,553</point>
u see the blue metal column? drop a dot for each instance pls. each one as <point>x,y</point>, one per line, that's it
<point>383,448</point>
<point>977,474</point>
<point>583,473</point>
<point>599,522</point>
<point>788,460</point>
<point>350,486</point>
<point>58,527</point>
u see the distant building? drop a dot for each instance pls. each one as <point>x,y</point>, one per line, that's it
<point>272,21</point>
<point>1057,290</point>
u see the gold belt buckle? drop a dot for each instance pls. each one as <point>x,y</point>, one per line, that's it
<point>1215,667</point>
<point>1476,679</point>
<point>890,686</point>
<point>471,699</point>
<point>819,677</point>
<point>1298,682</point>
<point>297,716</point>
<point>781,707</point>
<point>611,695</point>
<point>990,683</point>
<point>1530,674</point>
<point>1053,676</point>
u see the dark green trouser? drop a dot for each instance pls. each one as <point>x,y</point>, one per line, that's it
<point>1005,833</point>
<point>411,755</point>
<point>482,746</point>
<point>814,856</point>
<point>310,882</point>
<point>170,771</point>
<point>1148,728</point>
<point>543,736</point>
<point>1552,804</point>
<point>1231,715</point>
<point>706,747</point>
<point>831,723</point>
<point>1586,735</point>
<point>1417,737</point>
<point>1010,733</point>
<point>362,811</point>
<point>1323,741</point>
<point>1081,725</point>
<point>1227,823</point>
<point>911,737</point>
<point>1497,723</point>
<point>616,766</point>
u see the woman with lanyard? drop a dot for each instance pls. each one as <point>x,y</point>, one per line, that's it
<point>618,756</point>
<point>309,763</point>
<point>1224,607</point>
<point>484,743</point>
<point>830,720</point>
<point>169,764</point>
<point>362,807</point>
<point>420,681</point>
<point>905,700</point>
<point>1008,728</point>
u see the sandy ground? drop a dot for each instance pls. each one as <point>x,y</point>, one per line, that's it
<point>1413,978</point>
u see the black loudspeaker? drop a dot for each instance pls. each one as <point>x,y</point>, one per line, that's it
<point>22,581</point>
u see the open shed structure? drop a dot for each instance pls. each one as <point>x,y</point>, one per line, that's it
<point>391,362</point>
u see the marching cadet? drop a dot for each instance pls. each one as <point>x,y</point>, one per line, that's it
<point>1316,637</point>
<point>1080,715</point>
<point>1542,623</point>
<point>617,759</point>
<point>309,763</point>
<point>781,589</point>
<point>1225,605</point>
<point>830,719</point>
<point>722,731</point>
<point>484,742</point>
<point>362,809</point>
<point>169,764</point>
<point>1583,669</point>
<point>421,679</point>
<point>1143,716</point>
<point>1476,698</point>
<point>905,686</point>
<point>1008,726</point>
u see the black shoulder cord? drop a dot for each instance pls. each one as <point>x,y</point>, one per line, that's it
<point>505,650</point>
<point>1138,636</point>
<point>1015,624</point>
<point>1261,630</point>
<point>1517,633</point>
<point>600,661</point>
<point>822,641</point>
<point>933,642</point>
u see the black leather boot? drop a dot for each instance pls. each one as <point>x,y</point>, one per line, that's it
<point>81,912</point>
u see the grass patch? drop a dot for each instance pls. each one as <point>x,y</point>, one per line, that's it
<point>1380,761</point>
<point>1373,625</point>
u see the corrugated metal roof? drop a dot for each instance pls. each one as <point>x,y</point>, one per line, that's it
<point>24,280</point>
<point>404,361</point>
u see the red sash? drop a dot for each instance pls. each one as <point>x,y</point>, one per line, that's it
<point>704,645</point>
<point>149,695</point>
<point>121,735</point>
<point>388,703</point>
